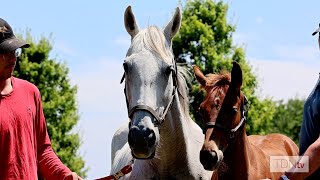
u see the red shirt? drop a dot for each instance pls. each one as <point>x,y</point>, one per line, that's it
<point>25,147</point>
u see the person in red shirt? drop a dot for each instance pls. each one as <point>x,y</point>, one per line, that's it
<point>25,147</point>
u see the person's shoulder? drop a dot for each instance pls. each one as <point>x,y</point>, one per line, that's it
<point>314,95</point>
<point>26,85</point>
<point>317,90</point>
<point>316,103</point>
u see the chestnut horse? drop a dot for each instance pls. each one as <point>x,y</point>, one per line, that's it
<point>226,147</point>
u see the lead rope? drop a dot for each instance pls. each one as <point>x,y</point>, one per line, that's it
<point>125,170</point>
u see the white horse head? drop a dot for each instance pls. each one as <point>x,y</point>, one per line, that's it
<point>162,136</point>
<point>151,73</point>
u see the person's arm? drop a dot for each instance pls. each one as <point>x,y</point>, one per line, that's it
<point>49,165</point>
<point>313,152</point>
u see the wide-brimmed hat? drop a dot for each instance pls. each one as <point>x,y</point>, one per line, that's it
<point>316,31</point>
<point>8,41</point>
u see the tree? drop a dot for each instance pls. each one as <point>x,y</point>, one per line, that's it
<point>58,98</point>
<point>288,118</point>
<point>205,39</point>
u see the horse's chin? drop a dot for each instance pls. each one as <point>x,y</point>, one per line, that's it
<point>149,154</point>
<point>214,167</point>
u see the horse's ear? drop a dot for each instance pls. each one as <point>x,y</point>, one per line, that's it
<point>130,22</point>
<point>173,26</point>
<point>199,75</point>
<point>236,76</point>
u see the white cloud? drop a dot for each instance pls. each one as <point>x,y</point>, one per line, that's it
<point>306,54</point>
<point>285,79</point>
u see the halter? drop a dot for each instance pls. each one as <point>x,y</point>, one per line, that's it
<point>231,132</point>
<point>159,118</point>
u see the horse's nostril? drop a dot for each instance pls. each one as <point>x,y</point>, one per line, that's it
<point>130,140</point>
<point>133,132</point>
<point>214,156</point>
<point>208,159</point>
<point>151,139</point>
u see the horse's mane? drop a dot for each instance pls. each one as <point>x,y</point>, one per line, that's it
<point>220,80</point>
<point>184,78</point>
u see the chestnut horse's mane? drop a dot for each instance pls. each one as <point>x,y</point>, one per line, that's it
<point>217,80</point>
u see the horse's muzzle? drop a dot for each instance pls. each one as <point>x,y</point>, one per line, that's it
<point>210,159</point>
<point>142,142</point>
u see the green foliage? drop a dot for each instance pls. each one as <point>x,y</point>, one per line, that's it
<point>260,116</point>
<point>58,98</point>
<point>205,39</point>
<point>288,118</point>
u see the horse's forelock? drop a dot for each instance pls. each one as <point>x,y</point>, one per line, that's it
<point>218,80</point>
<point>153,39</point>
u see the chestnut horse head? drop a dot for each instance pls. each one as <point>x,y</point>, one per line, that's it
<point>223,111</point>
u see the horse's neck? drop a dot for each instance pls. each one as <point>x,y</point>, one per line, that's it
<point>237,158</point>
<point>173,135</point>
<point>173,151</point>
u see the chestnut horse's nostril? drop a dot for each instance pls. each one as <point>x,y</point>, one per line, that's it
<point>208,159</point>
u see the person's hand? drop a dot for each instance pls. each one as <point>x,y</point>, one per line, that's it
<point>73,176</point>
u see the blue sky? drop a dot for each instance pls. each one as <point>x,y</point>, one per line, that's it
<point>90,37</point>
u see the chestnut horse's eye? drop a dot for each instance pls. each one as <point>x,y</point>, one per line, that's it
<point>217,103</point>
<point>234,110</point>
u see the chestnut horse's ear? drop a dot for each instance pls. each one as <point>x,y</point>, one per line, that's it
<point>199,75</point>
<point>236,76</point>
<point>130,22</point>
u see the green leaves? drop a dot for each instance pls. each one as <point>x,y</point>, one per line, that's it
<point>288,118</point>
<point>58,98</point>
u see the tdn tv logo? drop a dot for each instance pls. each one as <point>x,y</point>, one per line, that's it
<point>288,163</point>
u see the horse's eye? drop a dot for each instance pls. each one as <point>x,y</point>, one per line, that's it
<point>217,103</point>
<point>234,109</point>
<point>216,106</point>
<point>125,66</point>
<point>169,69</point>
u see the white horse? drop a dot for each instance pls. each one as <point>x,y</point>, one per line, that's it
<point>161,136</point>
